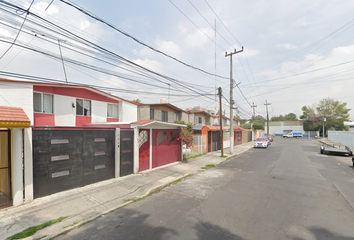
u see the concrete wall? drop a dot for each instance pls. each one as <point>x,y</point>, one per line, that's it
<point>99,112</point>
<point>279,127</point>
<point>185,117</point>
<point>128,112</point>
<point>64,113</point>
<point>343,137</point>
<point>17,95</point>
<point>143,113</point>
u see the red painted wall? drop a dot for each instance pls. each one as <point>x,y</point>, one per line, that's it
<point>74,92</point>
<point>43,119</point>
<point>112,119</point>
<point>81,121</point>
<point>165,153</point>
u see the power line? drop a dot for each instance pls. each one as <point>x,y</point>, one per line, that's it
<point>137,40</point>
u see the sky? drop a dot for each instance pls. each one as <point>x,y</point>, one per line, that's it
<point>295,53</point>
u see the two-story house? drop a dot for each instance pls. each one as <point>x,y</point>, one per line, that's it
<point>52,105</point>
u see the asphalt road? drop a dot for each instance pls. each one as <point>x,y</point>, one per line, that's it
<point>288,191</point>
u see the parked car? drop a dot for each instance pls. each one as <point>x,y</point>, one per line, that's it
<point>261,142</point>
<point>293,135</point>
<point>270,138</point>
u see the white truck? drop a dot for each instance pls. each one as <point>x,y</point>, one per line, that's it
<point>293,135</point>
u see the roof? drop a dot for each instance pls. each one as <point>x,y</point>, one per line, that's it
<point>145,123</point>
<point>197,128</point>
<point>204,112</point>
<point>214,128</point>
<point>65,85</point>
<point>13,117</point>
<point>162,104</point>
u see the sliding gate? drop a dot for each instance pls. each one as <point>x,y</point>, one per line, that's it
<point>67,159</point>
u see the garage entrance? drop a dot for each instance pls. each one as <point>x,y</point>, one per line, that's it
<point>67,159</point>
<point>166,147</point>
<point>5,169</point>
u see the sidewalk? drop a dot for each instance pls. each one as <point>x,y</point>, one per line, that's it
<point>89,202</point>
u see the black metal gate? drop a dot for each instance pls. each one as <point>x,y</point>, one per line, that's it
<point>5,169</point>
<point>126,151</point>
<point>250,136</point>
<point>209,141</point>
<point>67,159</point>
<point>216,141</point>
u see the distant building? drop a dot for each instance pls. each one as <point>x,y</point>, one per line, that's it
<point>350,125</point>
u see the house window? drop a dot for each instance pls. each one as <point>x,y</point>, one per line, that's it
<point>112,110</point>
<point>83,107</point>
<point>42,103</point>
<point>176,117</point>
<point>152,115</point>
<point>200,120</point>
<point>164,116</point>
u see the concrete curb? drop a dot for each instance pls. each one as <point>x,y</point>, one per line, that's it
<point>80,219</point>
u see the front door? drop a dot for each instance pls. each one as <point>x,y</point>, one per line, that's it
<point>126,152</point>
<point>5,169</point>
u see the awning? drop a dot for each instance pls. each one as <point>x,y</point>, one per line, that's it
<point>13,117</point>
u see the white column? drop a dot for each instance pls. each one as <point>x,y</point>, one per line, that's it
<point>150,144</point>
<point>117,153</point>
<point>136,150</point>
<point>28,165</point>
<point>17,176</point>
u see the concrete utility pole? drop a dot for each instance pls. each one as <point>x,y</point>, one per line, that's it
<point>221,132</point>
<point>266,104</point>
<point>254,111</point>
<point>231,100</point>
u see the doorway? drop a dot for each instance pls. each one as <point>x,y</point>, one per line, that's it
<point>5,169</point>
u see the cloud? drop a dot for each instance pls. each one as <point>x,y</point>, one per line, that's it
<point>287,46</point>
<point>168,47</point>
<point>198,38</point>
<point>52,9</point>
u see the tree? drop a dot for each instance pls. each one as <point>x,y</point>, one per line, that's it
<point>335,113</point>
<point>287,117</point>
<point>136,100</point>
<point>258,119</point>
<point>255,125</point>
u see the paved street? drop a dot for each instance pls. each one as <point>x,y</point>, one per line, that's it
<point>288,191</point>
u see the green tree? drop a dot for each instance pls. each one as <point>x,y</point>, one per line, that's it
<point>258,119</point>
<point>335,113</point>
<point>255,125</point>
<point>136,100</point>
<point>287,117</point>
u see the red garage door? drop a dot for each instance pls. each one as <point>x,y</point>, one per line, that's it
<point>144,150</point>
<point>166,147</point>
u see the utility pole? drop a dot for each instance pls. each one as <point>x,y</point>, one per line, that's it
<point>221,132</point>
<point>254,111</point>
<point>266,104</point>
<point>232,100</point>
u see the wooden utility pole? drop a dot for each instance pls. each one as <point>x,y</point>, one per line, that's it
<point>266,104</point>
<point>221,132</point>
<point>231,101</point>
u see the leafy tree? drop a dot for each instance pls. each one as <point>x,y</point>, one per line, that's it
<point>335,113</point>
<point>254,124</point>
<point>287,117</point>
<point>258,119</point>
<point>186,135</point>
<point>136,100</point>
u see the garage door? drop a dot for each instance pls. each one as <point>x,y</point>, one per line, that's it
<point>166,147</point>
<point>67,159</point>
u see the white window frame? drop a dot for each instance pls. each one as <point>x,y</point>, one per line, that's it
<point>83,108</point>
<point>114,105</point>
<point>42,103</point>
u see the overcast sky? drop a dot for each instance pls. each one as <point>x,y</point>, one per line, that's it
<point>295,52</point>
